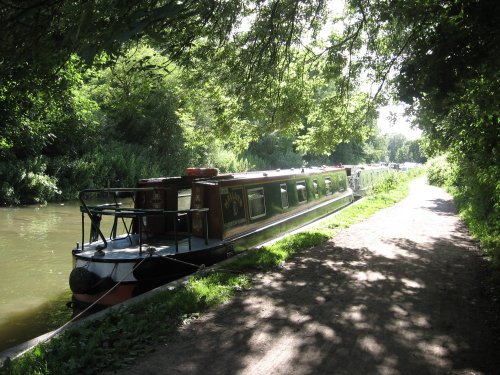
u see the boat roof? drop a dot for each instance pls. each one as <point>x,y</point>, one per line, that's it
<point>367,166</point>
<point>277,173</point>
<point>284,172</point>
<point>246,176</point>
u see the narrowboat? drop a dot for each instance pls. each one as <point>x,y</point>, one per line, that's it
<point>172,226</point>
<point>362,178</point>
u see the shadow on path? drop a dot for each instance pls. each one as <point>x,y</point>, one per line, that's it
<point>350,310</point>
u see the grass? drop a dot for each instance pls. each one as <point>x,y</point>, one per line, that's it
<point>125,334</point>
<point>390,191</point>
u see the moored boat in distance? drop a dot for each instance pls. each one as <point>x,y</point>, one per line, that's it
<point>362,178</point>
<point>179,224</point>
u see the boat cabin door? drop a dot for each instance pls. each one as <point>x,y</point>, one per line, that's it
<point>162,199</point>
<point>197,202</point>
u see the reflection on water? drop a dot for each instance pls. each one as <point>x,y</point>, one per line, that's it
<point>35,253</point>
<point>25,325</point>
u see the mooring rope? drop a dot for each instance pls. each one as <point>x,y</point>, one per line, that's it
<point>202,267</point>
<point>226,270</point>
<point>88,308</point>
<point>53,333</point>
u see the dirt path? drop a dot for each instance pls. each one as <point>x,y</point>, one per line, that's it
<point>401,293</point>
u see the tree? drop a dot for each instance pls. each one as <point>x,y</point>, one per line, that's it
<point>272,152</point>
<point>396,143</point>
<point>447,57</point>
<point>376,148</point>
<point>414,152</point>
<point>264,68</point>
<point>348,153</point>
<point>40,39</point>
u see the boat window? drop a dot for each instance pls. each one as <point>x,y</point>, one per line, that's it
<point>184,199</point>
<point>256,203</point>
<point>301,191</point>
<point>328,185</point>
<point>316,188</point>
<point>284,196</point>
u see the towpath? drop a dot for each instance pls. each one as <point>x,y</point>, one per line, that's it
<point>401,293</point>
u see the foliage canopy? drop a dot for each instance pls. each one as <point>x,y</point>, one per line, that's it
<point>232,71</point>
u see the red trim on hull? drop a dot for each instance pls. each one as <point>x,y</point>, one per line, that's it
<point>120,294</point>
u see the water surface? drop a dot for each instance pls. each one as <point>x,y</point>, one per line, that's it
<point>35,253</point>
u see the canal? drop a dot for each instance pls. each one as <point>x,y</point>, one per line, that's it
<point>35,253</point>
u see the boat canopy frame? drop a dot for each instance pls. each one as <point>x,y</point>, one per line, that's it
<point>94,213</point>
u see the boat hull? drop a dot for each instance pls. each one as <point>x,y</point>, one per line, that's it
<point>139,275</point>
<point>290,223</point>
<point>81,302</point>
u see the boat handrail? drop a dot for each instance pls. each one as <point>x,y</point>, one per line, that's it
<point>111,209</point>
<point>120,190</point>
<point>85,209</point>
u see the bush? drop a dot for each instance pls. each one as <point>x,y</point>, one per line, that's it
<point>38,188</point>
<point>73,175</point>
<point>8,195</point>
<point>26,182</point>
<point>226,160</point>
<point>475,188</point>
<point>476,191</point>
<point>439,171</point>
<point>273,151</point>
<point>389,182</point>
